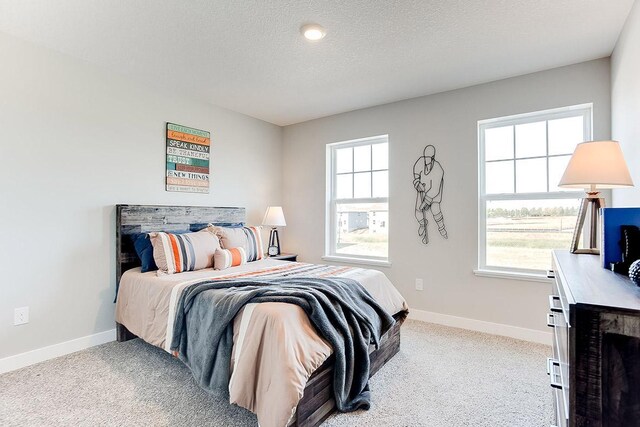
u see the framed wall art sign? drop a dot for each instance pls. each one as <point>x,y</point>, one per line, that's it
<point>188,156</point>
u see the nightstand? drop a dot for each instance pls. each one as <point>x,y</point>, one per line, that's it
<point>285,257</point>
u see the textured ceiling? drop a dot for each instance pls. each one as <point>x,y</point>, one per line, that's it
<point>248,55</point>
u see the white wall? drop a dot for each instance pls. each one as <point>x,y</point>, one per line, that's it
<point>449,122</point>
<point>625,103</point>
<point>75,141</point>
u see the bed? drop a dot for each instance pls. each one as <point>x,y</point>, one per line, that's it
<point>145,300</point>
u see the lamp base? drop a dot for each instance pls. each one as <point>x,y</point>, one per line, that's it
<point>274,241</point>
<point>591,204</point>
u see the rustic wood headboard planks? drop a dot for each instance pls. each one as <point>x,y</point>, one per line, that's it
<point>133,219</point>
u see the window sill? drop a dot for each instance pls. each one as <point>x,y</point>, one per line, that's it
<point>361,261</point>
<point>498,274</point>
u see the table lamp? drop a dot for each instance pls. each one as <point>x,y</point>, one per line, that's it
<point>595,165</point>
<point>274,217</point>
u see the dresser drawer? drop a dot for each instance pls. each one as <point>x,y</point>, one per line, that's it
<point>560,303</point>
<point>558,366</point>
<point>558,319</point>
<point>560,409</point>
<point>560,341</point>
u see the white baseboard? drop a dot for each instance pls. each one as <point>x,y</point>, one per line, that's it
<point>21,360</point>
<point>482,326</point>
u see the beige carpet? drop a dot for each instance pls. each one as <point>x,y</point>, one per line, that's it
<point>441,377</point>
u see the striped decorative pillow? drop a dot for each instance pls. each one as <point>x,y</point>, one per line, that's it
<point>175,253</point>
<point>248,238</point>
<point>225,258</point>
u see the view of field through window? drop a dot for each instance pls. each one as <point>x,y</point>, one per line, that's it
<point>362,229</point>
<point>360,199</point>
<point>521,234</point>
<point>525,213</point>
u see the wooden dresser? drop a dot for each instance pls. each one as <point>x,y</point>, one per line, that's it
<point>595,368</point>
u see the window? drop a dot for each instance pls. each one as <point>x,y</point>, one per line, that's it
<point>523,214</point>
<point>358,199</point>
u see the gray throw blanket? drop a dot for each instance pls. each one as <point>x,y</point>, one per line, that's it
<point>341,309</point>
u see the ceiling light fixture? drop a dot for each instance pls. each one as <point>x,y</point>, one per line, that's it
<point>313,32</point>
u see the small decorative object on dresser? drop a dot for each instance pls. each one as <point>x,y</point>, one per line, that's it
<point>634,272</point>
<point>595,370</point>
<point>274,217</point>
<point>594,165</point>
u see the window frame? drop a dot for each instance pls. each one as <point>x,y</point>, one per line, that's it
<point>584,110</point>
<point>332,201</point>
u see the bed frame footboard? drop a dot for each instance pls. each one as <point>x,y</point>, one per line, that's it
<point>123,334</point>
<point>318,403</point>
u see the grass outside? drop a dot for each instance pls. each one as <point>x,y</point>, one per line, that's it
<point>511,242</point>
<point>527,242</point>
<point>534,259</point>
<point>362,242</point>
<point>560,223</point>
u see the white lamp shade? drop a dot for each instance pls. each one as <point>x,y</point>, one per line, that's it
<point>274,217</point>
<point>597,165</point>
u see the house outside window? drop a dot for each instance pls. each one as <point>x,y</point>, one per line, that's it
<point>357,196</point>
<point>523,214</point>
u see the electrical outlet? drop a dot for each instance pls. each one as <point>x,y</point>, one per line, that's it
<point>20,316</point>
<point>419,285</point>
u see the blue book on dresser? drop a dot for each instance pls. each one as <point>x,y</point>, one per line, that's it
<point>612,219</point>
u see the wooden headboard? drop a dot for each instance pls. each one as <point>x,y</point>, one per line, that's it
<point>133,219</point>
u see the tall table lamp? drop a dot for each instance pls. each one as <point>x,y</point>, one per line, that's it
<point>274,217</point>
<point>594,166</point>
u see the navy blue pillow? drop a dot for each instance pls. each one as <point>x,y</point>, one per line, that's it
<point>144,249</point>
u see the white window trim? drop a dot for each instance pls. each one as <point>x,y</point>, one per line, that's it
<point>483,269</point>
<point>331,202</point>
<point>513,275</point>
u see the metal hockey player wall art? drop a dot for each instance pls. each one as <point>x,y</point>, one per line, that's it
<point>428,181</point>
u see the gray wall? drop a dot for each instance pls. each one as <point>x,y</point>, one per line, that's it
<point>448,121</point>
<point>625,103</point>
<point>76,141</point>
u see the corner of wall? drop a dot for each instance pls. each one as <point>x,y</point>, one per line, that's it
<point>625,103</point>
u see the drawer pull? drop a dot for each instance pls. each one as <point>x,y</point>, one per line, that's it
<point>550,321</point>
<point>552,304</point>
<point>551,362</point>
<point>551,274</point>
<point>556,385</point>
